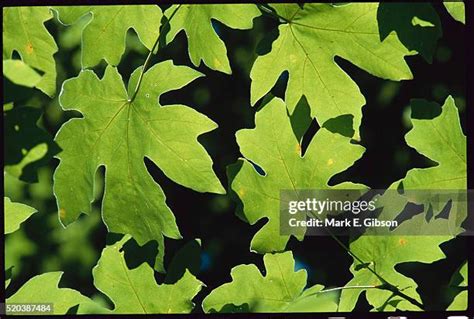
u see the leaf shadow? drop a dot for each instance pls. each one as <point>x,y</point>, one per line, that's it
<point>417,25</point>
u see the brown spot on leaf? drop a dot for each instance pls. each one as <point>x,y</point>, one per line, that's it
<point>62,213</point>
<point>402,241</point>
<point>29,48</point>
<point>298,148</point>
<point>217,63</point>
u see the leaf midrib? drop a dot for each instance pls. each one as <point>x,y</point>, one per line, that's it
<point>124,267</point>
<point>463,160</point>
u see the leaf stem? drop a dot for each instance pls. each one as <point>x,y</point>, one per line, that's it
<point>148,58</point>
<point>385,284</point>
<point>342,288</point>
<point>267,10</point>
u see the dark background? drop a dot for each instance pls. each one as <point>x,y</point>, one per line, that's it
<point>42,245</point>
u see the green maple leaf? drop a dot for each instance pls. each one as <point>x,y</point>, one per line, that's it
<point>118,133</point>
<point>44,289</point>
<point>307,44</point>
<point>104,36</point>
<point>20,73</point>
<point>382,253</point>
<point>273,147</point>
<point>15,214</point>
<point>280,290</point>
<point>28,147</point>
<point>442,140</point>
<point>460,301</point>
<point>456,10</point>
<point>203,42</point>
<point>135,291</point>
<point>24,32</point>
